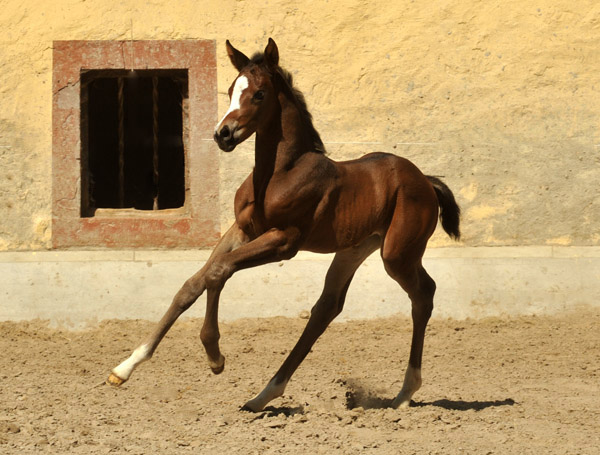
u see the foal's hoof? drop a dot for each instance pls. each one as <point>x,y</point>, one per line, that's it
<point>114,380</point>
<point>218,370</point>
<point>403,400</point>
<point>218,367</point>
<point>252,406</point>
<point>400,404</point>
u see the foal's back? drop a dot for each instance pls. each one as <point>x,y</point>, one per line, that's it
<point>362,197</point>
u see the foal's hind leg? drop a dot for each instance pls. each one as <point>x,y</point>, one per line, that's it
<point>329,305</point>
<point>420,288</point>
<point>187,295</point>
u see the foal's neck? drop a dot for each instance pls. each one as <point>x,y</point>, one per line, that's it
<point>285,138</point>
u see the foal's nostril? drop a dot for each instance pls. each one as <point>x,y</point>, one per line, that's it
<point>225,132</point>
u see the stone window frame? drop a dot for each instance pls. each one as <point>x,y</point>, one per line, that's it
<point>133,127</point>
<point>197,224</point>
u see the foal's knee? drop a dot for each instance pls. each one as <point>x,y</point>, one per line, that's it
<point>217,274</point>
<point>188,294</point>
<point>327,308</point>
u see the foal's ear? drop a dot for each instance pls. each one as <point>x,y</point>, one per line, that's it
<point>271,53</point>
<point>238,59</point>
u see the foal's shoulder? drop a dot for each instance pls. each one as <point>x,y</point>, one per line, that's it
<point>315,163</point>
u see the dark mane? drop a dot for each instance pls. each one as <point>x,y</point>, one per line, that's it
<point>288,80</point>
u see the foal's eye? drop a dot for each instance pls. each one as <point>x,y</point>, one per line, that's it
<point>258,96</point>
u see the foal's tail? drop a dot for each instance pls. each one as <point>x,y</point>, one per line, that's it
<point>449,209</point>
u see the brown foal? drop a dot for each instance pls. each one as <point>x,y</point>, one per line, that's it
<point>297,198</point>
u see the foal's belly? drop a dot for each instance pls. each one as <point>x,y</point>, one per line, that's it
<point>361,205</point>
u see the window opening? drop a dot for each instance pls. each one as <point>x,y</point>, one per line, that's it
<point>133,141</point>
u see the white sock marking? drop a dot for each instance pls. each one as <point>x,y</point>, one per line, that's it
<point>240,85</point>
<point>270,392</point>
<point>138,356</point>
<point>412,379</point>
<point>412,383</point>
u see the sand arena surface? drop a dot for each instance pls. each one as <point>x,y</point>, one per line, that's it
<point>526,385</point>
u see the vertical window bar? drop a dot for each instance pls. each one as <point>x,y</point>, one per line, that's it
<point>155,138</point>
<point>121,133</point>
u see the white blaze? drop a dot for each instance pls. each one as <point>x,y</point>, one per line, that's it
<point>240,85</point>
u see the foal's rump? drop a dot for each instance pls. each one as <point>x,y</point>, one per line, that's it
<point>398,176</point>
<point>370,194</point>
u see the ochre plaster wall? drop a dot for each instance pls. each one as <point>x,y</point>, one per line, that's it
<point>502,98</point>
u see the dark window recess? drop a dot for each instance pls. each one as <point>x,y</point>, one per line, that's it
<point>132,136</point>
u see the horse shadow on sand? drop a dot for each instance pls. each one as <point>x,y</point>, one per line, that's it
<point>357,397</point>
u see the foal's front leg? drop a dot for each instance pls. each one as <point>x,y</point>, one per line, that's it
<point>187,295</point>
<point>274,245</point>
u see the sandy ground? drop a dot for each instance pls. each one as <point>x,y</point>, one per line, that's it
<point>526,385</point>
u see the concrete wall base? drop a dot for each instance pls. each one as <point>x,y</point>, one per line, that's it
<point>79,288</point>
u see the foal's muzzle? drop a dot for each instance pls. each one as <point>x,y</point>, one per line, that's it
<point>225,138</point>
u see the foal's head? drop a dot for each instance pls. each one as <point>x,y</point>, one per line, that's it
<point>252,95</point>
